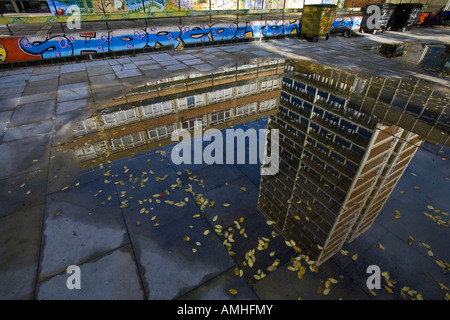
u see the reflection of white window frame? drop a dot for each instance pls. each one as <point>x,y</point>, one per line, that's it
<point>270,84</point>
<point>219,117</point>
<point>128,141</point>
<point>91,152</point>
<point>193,123</point>
<point>246,110</point>
<point>220,95</point>
<point>266,105</point>
<point>120,117</point>
<point>190,102</point>
<point>247,89</point>
<point>86,126</point>
<point>161,132</point>
<point>157,109</point>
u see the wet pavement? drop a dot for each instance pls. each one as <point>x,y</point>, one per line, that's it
<point>139,238</point>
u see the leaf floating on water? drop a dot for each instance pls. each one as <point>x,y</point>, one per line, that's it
<point>226,204</point>
<point>243,189</point>
<point>186,239</point>
<point>430,253</point>
<point>410,240</point>
<point>214,219</point>
<point>58,213</point>
<point>233,291</point>
<point>206,232</point>
<point>381,246</point>
<point>355,257</point>
<point>344,252</point>
<point>270,222</point>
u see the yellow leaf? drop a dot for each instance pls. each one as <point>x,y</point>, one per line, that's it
<point>226,204</point>
<point>142,210</point>
<point>186,239</point>
<point>232,291</point>
<point>138,222</point>
<point>205,233</point>
<point>344,252</point>
<point>326,291</point>
<point>430,253</point>
<point>430,207</point>
<point>380,246</point>
<point>355,257</point>
<point>410,240</point>
<point>299,275</point>
<point>270,222</point>
<point>194,250</point>
<point>243,189</point>
<point>388,289</point>
<point>373,292</point>
<point>58,213</point>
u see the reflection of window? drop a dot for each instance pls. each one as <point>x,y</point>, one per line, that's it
<point>128,141</point>
<point>220,95</point>
<point>120,117</point>
<point>161,132</point>
<point>193,123</point>
<point>246,89</point>
<point>91,151</point>
<point>220,117</point>
<point>246,110</point>
<point>268,104</point>
<point>157,109</point>
<point>270,84</point>
<point>190,102</point>
<point>86,126</point>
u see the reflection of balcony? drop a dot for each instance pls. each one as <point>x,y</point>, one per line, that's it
<point>342,184</point>
<point>354,138</point>
<point>322,155</point>
<point>351,155</point>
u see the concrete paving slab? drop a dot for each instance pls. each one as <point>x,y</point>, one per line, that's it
<point>23,191</point>
<point>219,289</point>
<point>9,102</point>
<point>113,276</point>
<point>39,96</point>
<point>73,91</point>
<point>20,236</point>
<point>5,116</point>
<point>162,57</point>
<point>24,155</point>
<point>74,67</point>
<point>72,105</point>
<point>95,70</point>
<point>75,232</point>
<point>33,112</point>
<point>168,265</point>
<point>405,265</point>
<point>44,76</point>
<point>45,70</point>
<point>241,205</point>
<point>193,61</point>
<point>284,284</point>
<point>73,77</point>
<point>27,130</point>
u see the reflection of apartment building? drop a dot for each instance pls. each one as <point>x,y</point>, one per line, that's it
<point>235,95</point>
<point>338,166</point>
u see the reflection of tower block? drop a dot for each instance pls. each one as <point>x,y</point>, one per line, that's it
<point>338,165</point>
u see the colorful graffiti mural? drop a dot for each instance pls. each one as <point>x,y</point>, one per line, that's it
<point>349,23</point>
<point>65,45</point>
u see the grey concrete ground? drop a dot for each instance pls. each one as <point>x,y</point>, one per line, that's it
<point>130,246</point>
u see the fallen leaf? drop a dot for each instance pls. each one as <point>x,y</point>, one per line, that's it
<point>232,291</point>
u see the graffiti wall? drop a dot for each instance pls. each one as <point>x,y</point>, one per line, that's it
<point>65,45</point>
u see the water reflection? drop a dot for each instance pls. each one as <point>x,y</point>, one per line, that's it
<point>345,141</point>
<point>345,138</point>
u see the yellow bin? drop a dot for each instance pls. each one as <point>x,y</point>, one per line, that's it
<point>317,20</point>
